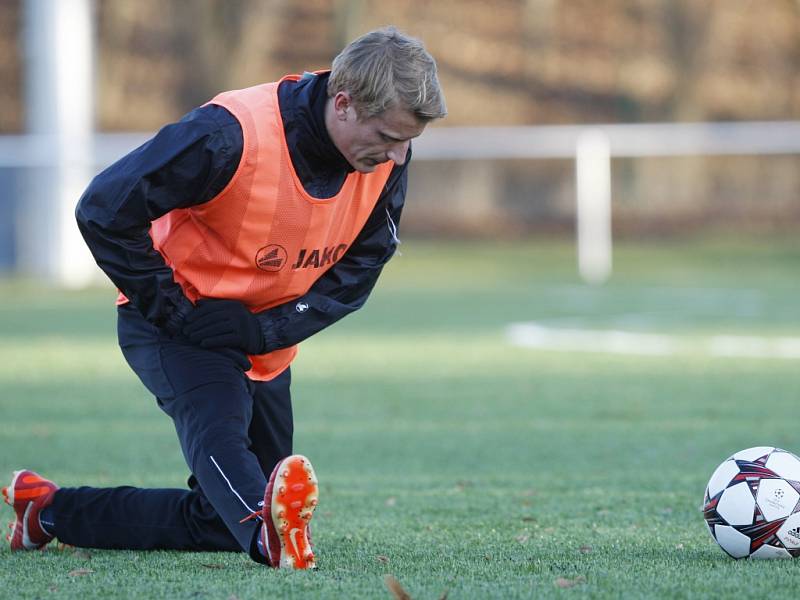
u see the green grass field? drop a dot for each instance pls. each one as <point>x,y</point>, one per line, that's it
<point>458,463</point>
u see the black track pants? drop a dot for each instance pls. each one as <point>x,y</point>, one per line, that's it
<point>232,431</point>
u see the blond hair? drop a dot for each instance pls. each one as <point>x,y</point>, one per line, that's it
<point>386,68</point>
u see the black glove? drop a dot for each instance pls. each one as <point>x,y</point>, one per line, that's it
<point>224,324</point>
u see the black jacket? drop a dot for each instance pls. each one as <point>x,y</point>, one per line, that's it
<point>188,163</point>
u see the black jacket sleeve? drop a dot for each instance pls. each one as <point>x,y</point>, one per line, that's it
<point>344,287</point>
<point>186,163</point>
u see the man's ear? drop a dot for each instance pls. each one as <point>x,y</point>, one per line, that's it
<point>342,104</point>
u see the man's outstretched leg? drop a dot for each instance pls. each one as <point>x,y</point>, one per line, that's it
<point>283,537</point>
<point>130,518</point>
<point>289,502</point>
<point>216,410</point>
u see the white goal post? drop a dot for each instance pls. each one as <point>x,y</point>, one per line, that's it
<point>593,147</point>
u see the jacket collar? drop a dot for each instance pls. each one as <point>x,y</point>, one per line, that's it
<point>302,105</point>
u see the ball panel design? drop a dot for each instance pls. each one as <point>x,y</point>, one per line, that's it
<point>737,505</point>
<point>770,552</point>
<point>752,454</point>
<point>784,464</point>
<point>776,499</point>
<point>734,543</point>
<point>789,533</point>
<point>722,477</point>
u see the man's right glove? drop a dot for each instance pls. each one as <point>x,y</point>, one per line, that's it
<point>224,324</point>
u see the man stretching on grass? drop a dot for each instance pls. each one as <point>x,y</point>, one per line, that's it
<point>256,221</point>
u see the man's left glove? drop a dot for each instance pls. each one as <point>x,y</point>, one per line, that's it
<point>224,323</point>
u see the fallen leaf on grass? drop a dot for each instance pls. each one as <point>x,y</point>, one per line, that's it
<point>462,485</point>
<point>80,572</point>
<point>564,583</point>
<point>391,501</point>
<point>213,566</point>
<point>395,588</point>
<point>585,549</point>
<point>522,538</point>
<point>528,519</point>
<point>444,595</point>
<point>382,559</point>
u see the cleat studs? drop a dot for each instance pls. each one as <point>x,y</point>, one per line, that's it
<point>282,490</point>
<point>281,514</point>
<point>285,473</point>
<point>313,502</point>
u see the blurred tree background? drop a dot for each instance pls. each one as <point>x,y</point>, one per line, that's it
<point>506,62</point>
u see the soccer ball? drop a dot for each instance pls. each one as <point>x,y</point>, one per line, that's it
<point>751,504</point>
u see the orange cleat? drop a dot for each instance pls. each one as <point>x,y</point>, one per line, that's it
<point>28,493</point>
<point>289,502</point>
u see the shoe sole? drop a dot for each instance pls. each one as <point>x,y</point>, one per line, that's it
<point>295,493</point>
<point>8,495</point>
<point>8,491</point>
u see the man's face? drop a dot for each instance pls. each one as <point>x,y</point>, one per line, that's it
<point>368,142</point>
